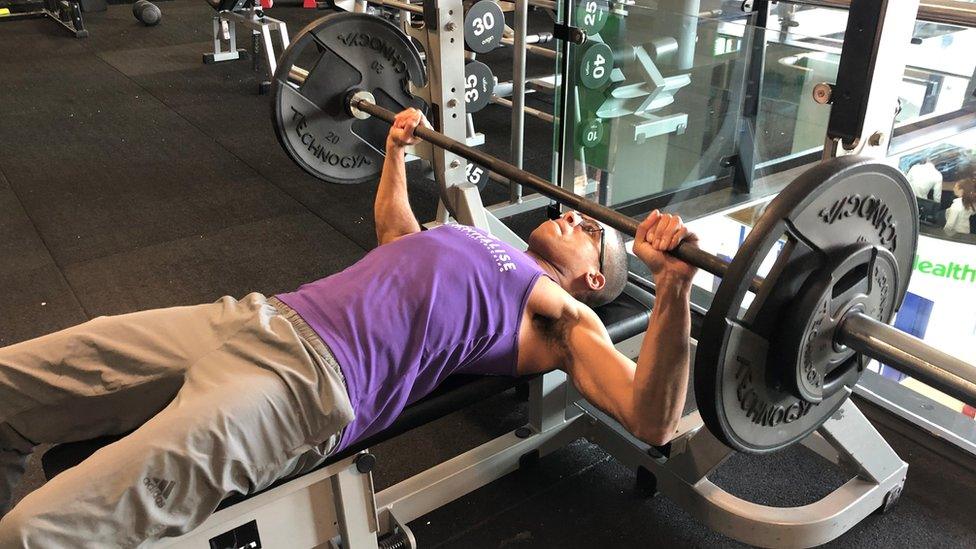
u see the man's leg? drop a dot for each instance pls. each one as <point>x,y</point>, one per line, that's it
<point>106,376</point>
<point>245,412</point>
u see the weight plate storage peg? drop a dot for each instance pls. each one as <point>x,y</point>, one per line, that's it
<point>479,85</point>
<point>844,236</point>
<point>591,15</point>
<point>327,61</point>
<point>484,24</point>
<point>596,62</point>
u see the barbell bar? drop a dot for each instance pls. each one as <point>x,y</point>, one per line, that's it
<point>886,344</point>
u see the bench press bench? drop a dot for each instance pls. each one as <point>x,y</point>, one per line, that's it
<point>624,318</point>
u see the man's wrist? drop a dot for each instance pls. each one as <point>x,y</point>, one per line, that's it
<point>393,148</point>
<point>673,284</point>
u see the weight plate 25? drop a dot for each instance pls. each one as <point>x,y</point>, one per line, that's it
<point>591,15</point>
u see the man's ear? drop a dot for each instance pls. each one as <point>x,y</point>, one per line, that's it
<point>595,280</point>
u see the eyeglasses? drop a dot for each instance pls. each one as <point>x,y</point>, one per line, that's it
<point>588,225</point>
<point>591,226</point>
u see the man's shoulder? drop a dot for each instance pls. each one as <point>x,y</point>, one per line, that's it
<point>551,300</point>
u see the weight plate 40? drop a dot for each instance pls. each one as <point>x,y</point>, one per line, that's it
<point>479,85</point>
<point>342,53</point>
<point>743,366</point>
<point>596,62</point>
<point>484,24</point>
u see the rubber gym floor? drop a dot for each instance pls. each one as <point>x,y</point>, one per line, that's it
<point>132,176</point>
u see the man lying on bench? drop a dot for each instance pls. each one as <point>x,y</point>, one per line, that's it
<point>229,397</point>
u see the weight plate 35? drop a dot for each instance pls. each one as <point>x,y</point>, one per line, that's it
<point>479,85</point>
<point>327,61</point>
<point>739,374</point>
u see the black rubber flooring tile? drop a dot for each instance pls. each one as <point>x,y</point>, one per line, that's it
<point>936,506</point>
<point>64,86</point>
<point>243,126</point>
<point>36,301</point>
<point>20,246</point>
<point>176,75</point>
<point>128,177</point>
<point>36,298</point>
<point>117,29</point>
<point>35,39</point>
<point>268,256</point>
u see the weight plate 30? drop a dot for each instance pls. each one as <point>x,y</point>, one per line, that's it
<point>740,385</point>
<point>484,24</point>
<point>342,53</point>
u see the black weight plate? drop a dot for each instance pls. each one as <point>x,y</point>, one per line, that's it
<point>836,204</point>
<point>479,84</point>
<point>591,15</point>
<point>484,24</point>
<point>596,62</point>
<point>476,175</point>
<point>342,52</point>
<point>860,278</point>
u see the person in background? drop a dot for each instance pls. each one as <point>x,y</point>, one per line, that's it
<point>962,208</point>
<point>925,178</point>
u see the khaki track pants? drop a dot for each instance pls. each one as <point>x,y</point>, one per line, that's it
<point>224,398</point>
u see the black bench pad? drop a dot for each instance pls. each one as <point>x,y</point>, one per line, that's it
<point>624,318</point>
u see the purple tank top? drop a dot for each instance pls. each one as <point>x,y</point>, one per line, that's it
<point>414,311</point>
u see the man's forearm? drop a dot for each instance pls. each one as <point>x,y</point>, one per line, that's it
<point>391,211</point>
<point>661,379</point>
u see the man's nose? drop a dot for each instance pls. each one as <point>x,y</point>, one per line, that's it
<point>573,218</point>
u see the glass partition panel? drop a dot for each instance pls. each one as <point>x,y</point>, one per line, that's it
<point>939,76</point>
<point>661,105</point>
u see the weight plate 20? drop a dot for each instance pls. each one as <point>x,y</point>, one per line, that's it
<point>739,375</point>
<point>342,53</point>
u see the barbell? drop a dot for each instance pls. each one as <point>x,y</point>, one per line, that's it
<point>777,355</point>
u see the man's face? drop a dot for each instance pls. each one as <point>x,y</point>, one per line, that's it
<point>572,241</point>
